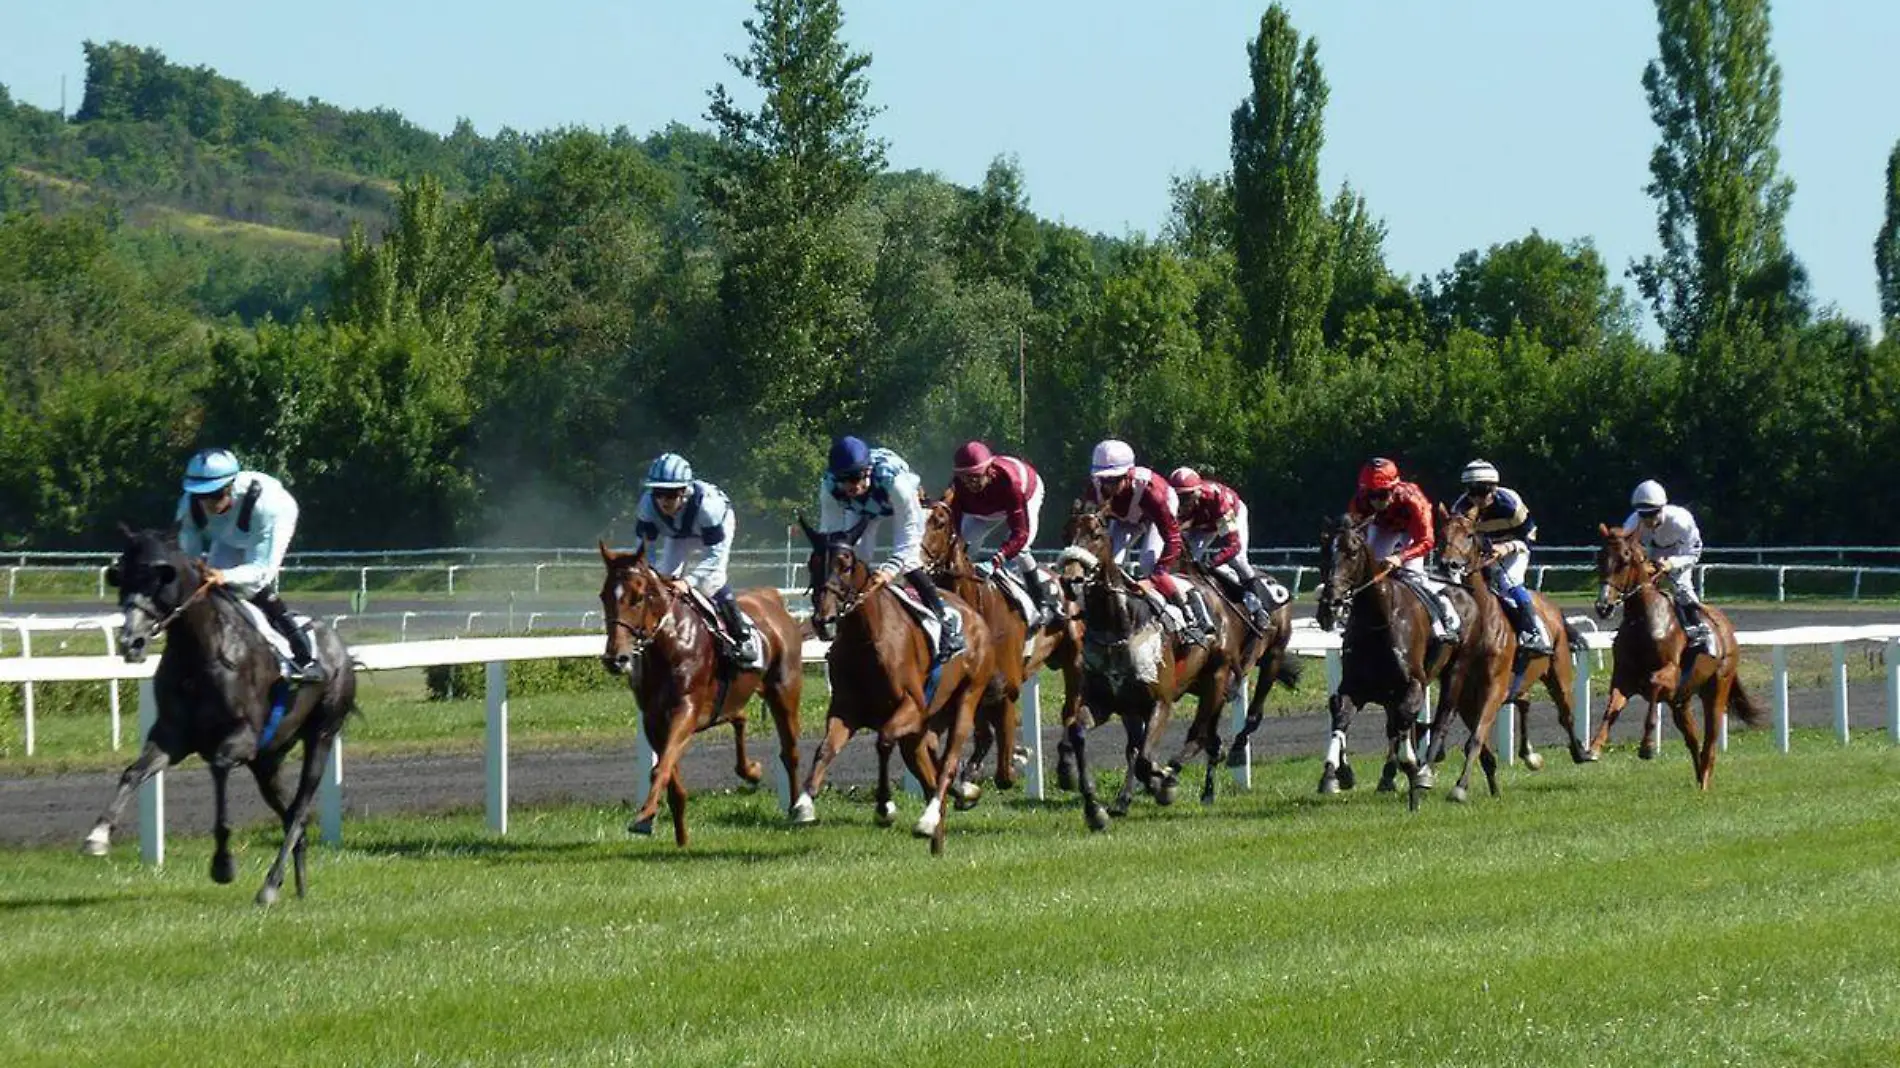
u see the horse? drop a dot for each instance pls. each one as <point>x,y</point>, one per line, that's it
<point>1268,650</point>
<point>884,679</point>
<point>1484,674</point>
<point>1652,657</point>
<point>661,642</point>
<point>1131,669</point>
<point>1388,656</point>
<point>1463,554</point>
<point>214,689</point>
<point>1016,654</point>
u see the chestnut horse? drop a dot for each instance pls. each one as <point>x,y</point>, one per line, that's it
<point>1464,555</point>
<point>1388,656</point>
<point>1268,650</point>
<point>884,679</point>
<point>1482,676</point>
<point>1131,669</point>
<point>1651,657</point>
<point>660,641</point>
<point>1014,654</point>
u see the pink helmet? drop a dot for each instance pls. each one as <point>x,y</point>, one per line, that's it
<point>1185,479</point>
<point>973,458</point>
<point>1111,459</point>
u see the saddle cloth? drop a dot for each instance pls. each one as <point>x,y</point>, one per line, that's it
<point>1430,592</point>
<point>278,643</point>
<point>933,630</point>
<point>1010,581</point>
<point>710,616</point>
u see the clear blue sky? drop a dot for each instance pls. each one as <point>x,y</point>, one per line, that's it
<point>1465,122</point>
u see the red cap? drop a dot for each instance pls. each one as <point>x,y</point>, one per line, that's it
<point>1378,474</point>
<point>972,458</point>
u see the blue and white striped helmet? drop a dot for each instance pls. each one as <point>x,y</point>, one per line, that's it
<point>210,471</point>
<point>670,471</point>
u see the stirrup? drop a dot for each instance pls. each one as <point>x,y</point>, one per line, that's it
<point>311,671</point>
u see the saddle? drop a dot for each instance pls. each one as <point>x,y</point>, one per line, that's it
<point>280,645</point>
<point>1446,626</point>
<point>709,615</point>
<point>926,620</point>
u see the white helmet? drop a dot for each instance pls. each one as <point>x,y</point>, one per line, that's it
<point>1479,473</point>
<point>1111,459</point>
<point>1649,496</point>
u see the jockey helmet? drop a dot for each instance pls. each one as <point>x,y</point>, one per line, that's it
<point>1479,473</point>
<point>972,458</point>
<point>1649,497</point>
<point>1185,479</point>
<point>849,456</point>
<point>1111,459</point>
<point>1378,474</point>
<point>210,471</point>
<point>670,471</point>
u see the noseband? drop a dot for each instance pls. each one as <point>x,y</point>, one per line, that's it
<point>172,617</point>
<point>640,639</point>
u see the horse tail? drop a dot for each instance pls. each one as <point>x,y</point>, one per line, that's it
<point>1575,636</point>
<point>1290,670</point>
<point>1745,706</point>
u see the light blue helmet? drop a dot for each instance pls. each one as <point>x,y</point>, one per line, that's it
<point>210,471</point>
<point>670,471</point>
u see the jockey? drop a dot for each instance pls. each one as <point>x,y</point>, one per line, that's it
<point>679,516</point>
<point>240,524</point>
<point>1141,509</point>
<point>872,485</point>
<point>1001,493</point>
<point>1506,530</point>
<point>1213,522</point>
<point>1401,532</point>
<point>1674,545</point>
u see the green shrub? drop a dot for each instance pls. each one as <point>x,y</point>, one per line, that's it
<point>526,678</point>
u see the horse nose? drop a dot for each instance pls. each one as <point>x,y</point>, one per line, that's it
<point>614,664</point>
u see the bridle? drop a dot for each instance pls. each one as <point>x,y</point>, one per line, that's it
<point>160,626</point>
<point>845,597</point>
<point>641,638</point>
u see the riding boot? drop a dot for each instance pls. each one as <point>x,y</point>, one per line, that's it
<point>742,645</point>
<point>1191,631</point>
<point>951,622</point>
<point>304,664</point>
<point>1202,614</point>
<point>1697,629</point>
<point>1530,631</point>
<point>1038,592</point>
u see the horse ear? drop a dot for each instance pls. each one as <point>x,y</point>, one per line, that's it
<point>112,576</point>
<point>639,554</point>
<point>606,554</point>
<point>1603,530</point>
<point>130,535</point>
<point>810,534</point>
<point>1443,512</point>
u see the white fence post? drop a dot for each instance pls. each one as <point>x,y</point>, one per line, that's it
<point>152,793</point>
<point>330,794</point>
<point>497,796</point>
<point>1029,734</point>
<point>1778,691</point>
<point>1840,692</point>
<point>1243,771</point>
<point>644,763</point>
<point>26,689</point>
<point>1580,692</point>
<point>1893,691</point>
<point>1507,733</point>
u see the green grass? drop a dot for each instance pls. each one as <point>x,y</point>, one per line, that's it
<point>1592,916</point>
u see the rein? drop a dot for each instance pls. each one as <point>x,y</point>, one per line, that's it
<point>640,640</point>
<point>172,616</point>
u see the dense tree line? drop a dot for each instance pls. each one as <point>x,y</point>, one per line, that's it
<point>504,329</point>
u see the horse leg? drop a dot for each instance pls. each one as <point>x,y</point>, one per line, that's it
<point>264,769</point>
<point>784,707</point>
<point>1681,710</point>
<point>750,771</point>
<point>886,808</point>
<point>676,801</point>
<point>836,735</point>
<point>162,748</point>
<point>966,793</point>
<point>1067,761</point>
<point>1652,724</point>
<point>1256,709</point>
<point>1526,752</point>
<point>1610,711</point>
<point>1137,728</point>
<point>1557,682</point>
<point>948,760</point>
<point>1714,711</point>
<point>1494,699</point>
<point>1092,812</point>
<point>1007,731</point>
<point>1336,774</point>
<point>679,731</point>
<point>316,752</point>
<point>223,868</point>
<point>1211,743</point>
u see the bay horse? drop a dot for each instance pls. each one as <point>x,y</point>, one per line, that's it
<point>1651,657</point>
<point>214,690</point>
<point>1387,657</point>
<point>884,679</point>
<point>1484,673</point>
<point>1268,650</point>
<point>660,641</point>
<point>1015,653</point>
<point>1463,553</point>
<point>1131,669</point>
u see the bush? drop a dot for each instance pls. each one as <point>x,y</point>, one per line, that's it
<point>526,678</point>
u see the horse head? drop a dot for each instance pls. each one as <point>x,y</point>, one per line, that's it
<point>1459,546</point>
<point>943,549</point>
<point>155,583</point>
<point>1088,547</point>
<point>1345,566</point>
<point>837,575</point>
<point>1622,569</point>
<point>634,601</point>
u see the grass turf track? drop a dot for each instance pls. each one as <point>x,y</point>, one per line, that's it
<point>1592,916</point>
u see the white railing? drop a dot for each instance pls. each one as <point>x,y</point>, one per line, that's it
<point>495,653</point>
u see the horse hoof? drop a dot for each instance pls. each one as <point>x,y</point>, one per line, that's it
<point>1207,797</point>
<point>1097,818</point>
<point>1168,792</point>
<point>1457,795</point>
<point>886,813</point>
<point>1020,758</point>
<point>1347,777</point>
<point>927,823</point>
<point>1534,761</point>
<point>641,827</point>
<point>1328,784</point>
<point>96,843</point>
<point>1580,755</point>
<point>966,795</point>
<point>1065,777</point>
<point>267,896</point>
<point>1388,784</point>
<point>1425,778</point>
<point>1119,811</point>
<point>803,811</point>
<point>752,772</point>
<point>1646,752</point>
<point>223,868</point>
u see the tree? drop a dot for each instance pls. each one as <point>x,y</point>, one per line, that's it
<point>1715,95</point>
<point>996,236</point>
<point>1560,294</point>
<point>1281,243</point>
<point>1887,245</point>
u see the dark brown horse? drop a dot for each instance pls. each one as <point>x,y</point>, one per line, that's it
<point>883,679</point>
<point>1651,657</point>
<point>1131,668</point>
<point>1268,651</point>
<point>1482,675</point>
<point>1464,554</point>
<point>219,696</point>
<point>661,642</point>
<point>1015,654</point>
<point>1388,656</point>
